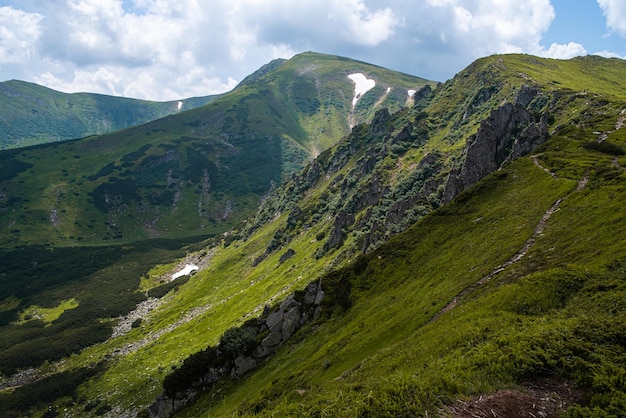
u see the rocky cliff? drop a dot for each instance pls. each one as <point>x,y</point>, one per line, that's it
<point>509,132</point>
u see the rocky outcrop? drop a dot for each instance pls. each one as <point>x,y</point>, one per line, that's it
<point>286,255</point>
<point>342,220</point>
<point>372,195</point>
<point>380,124</point>
<point>271,330</point>
<point>482,96</point>
<point>508,133</point>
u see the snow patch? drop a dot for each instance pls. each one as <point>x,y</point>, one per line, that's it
<point>362,85</point>
<point>411,93</point>
<point>180,105</point>
<point>188,269</point>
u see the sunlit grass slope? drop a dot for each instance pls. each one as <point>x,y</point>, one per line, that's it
<point>557,312</point>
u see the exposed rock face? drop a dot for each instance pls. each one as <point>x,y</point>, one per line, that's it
<point>341,220</point>
<point>422,93</point>
<point>526,95</point>
<point>243,364</point>
<point>372,195</point>
<point>279,325</point>
<point>508,133</point>
<point>380,123</point>
<point>422,187</point>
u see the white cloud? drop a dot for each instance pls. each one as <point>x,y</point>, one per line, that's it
<point>367,27</point>
<point>157,49</point>
<point>171,49</point>
<point>101,80</point>
<point>18,32</point>
<point>483,27</point>
<point>566,51</point>
<point>609,54</point>
<point>615,13</point>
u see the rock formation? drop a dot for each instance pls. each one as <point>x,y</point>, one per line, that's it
<point>273,328</point>
<point>508,133</point>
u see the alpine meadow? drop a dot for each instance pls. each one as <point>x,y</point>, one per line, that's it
<point>328,239</point>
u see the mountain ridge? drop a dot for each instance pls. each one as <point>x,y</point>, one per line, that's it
<point>441,295</point>
<point>189,173</point>
<point>34,114</point>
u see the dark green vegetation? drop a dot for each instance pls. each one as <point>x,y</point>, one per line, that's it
<point>31,114</point>
<point>195,173</point>
<point>104,281</point>
<point>429,299</point>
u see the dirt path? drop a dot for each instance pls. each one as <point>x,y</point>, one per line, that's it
<point>620,120</point>
<point>535,159</point>
<point>153,336</point>
<point>603,136</point>
<point>539,228</point>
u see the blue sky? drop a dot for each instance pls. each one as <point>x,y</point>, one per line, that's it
<point>585,24</point>
<point>171,49</point>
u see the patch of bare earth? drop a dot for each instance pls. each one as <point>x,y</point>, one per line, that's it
<point>540,399</point>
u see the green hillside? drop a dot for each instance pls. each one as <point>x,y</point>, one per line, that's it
<point>195,173</point>
<point>468,244</point>
<point>31,114</point>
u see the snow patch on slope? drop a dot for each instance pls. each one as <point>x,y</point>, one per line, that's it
<point>362,85</point>
<point>189,268</point>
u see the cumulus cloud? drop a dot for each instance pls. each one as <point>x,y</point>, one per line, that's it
<point>156,49</point>
<point>564,51</point>
<point>19,30</point>
<point>170,49</point>
<point>609,54</point>
<point>166,49</point>
<point>490,26</point>
<point>615,13</point>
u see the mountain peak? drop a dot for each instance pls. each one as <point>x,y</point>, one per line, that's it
<point>203,170</point>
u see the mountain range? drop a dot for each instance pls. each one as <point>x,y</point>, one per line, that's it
<point>31,114</point>
<point>195,173</point>
<point>420,249</point>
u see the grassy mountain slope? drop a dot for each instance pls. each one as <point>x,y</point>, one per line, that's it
<point>31,114</point>
<point>519,276</point>
<point>194,173</point>
<point>557,312</point>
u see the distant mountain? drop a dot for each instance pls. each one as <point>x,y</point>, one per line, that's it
<point>197,172</point>
<point>31,114</point>
<point>458,256</point>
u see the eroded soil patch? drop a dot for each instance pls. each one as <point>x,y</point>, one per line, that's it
<point>544,398</point>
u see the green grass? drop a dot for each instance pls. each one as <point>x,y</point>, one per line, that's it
<point>383,355</point>
<point>32,114</point>
<point>38,321</point>
<point>196,173</point>
<point>47,315</point>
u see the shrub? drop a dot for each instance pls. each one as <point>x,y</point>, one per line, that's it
<point>604,147</point>
<point>237,341</point>
<point>193,369</point>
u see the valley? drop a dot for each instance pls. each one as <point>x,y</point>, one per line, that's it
<point>399,264</point>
